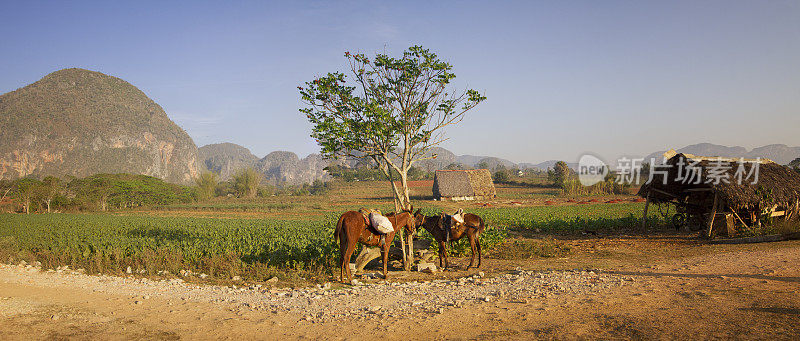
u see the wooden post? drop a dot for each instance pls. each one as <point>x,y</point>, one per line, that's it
<point>711,217</point>
<point>644,215</point>
<point>740,219</point>
<point>403,248</point>
<point>410,250</point>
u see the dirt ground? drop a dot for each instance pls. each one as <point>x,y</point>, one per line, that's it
<point>669,287</point>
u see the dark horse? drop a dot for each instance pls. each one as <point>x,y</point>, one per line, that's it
<point>352,229</point>
<point>472,227</point>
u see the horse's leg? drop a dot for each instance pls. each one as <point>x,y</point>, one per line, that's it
<point>351,246</point>
<point>342,248</point>
<point>472,248</point>
<point>480,255</point>
<point>443,252</point>
<point>385,261</point>
<point>440,256</point>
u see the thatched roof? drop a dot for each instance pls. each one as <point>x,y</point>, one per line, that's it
<point>463,183</point>
<point>776,184</point>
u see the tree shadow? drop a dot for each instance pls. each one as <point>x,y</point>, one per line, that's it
<point>774,310</point>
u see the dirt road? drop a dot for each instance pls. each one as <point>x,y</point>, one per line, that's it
<point>739,291</point>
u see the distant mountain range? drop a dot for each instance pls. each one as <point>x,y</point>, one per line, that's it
<point>278,168</point>
<point>780,153</point>
<point>282,167</point>
<point>76,122</point>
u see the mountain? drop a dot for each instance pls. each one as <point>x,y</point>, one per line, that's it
<point>473,161</point>
<point>546,164</point>
<point>225,158</point>
<point>282,167</point>
<point>779,153</point>
<point>79,122</point>
<point>278,168</point>
<point>439,158</point>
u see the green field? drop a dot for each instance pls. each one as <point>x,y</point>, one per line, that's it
<point>256,248</point>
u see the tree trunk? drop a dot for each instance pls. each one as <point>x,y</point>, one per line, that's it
<point>48,205</point>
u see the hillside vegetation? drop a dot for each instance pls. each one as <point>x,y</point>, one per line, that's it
<point>78,122</point>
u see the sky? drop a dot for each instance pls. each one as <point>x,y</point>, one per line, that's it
<point>562,78</point>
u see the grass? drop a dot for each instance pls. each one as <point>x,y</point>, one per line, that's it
<point>570,219</point>
<point>284,236</point>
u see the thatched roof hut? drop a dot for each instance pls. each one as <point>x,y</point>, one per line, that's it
<point>473,184</point>
<point>776,184</point>
<point>708,186</point>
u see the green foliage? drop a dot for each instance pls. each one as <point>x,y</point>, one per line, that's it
<point>795,164</point>
<point>388,109</point>
<point>569,218</point>
<point>207,185</point>
<point>560,174</point>
<point>25,191</point>
<point>125,240</point>
<point>104,191</point>
<point>501,176</point>
<point>246,182</point>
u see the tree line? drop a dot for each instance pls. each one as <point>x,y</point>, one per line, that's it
<point>99,192</point>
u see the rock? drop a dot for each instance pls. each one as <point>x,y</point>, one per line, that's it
<point>426,267</point>
<point>137,302</point>
<point>273,280</point>
<point>203,276</point>
<point>54,317</point>
<point>487,299</point>
<point>374,309</point>
<point>236,278</point>
<point>481,274</point>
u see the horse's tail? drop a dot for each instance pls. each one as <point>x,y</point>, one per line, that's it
<point>338,231</point>
<point>481,226</point>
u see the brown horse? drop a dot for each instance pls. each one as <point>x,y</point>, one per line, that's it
<point>352,229</point>
<point>472,227</point>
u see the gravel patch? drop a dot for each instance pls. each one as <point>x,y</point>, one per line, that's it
<point>323,303</point>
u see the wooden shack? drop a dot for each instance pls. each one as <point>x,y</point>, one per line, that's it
<point>723,194</point>
<point>455,185</point>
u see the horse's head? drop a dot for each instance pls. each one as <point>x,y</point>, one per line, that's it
<point>419,218</point>
<point>411,226</point>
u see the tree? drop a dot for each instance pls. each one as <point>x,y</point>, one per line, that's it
<point>51,187</point>
<point>206,185</point>
<point>25,191</point>
<point>246,182</point>
<point>501,176</point>
<point>389,110</point>
<point>795,164</point>
<point>560,174</point>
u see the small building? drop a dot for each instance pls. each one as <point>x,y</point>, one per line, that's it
<point>455,185</point>
<point>723,194</point>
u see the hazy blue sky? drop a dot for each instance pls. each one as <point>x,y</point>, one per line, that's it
<point>561,77</point>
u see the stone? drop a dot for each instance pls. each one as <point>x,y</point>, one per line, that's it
<point>426,267</point>
<point>273,280</point>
